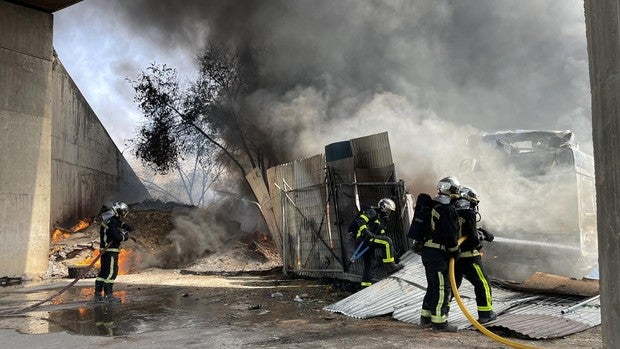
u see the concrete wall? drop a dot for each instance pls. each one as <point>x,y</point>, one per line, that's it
<point>602,28</point>
<point>87,168</point>
<point>57,162</point>
<point>25,138</point>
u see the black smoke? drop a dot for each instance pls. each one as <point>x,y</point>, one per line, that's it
<point>486,64</point>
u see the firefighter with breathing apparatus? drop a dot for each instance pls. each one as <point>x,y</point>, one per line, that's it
<point>438,246</point>
<point>469,263</point>
<point>113,231</point>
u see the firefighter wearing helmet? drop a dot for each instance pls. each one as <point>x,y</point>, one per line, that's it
<point>113,231</point>
<point>439,246</point>
<point>469,263</point>
<point>368,230</point>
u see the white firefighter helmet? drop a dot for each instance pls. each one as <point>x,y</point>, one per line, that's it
<point>386,205</point>
<point>449,186</point>
<point>120,209</point>
<point>469,194</point>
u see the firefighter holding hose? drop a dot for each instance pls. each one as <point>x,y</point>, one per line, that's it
<point>368,228</point>
<point>113,231</point>
<point>469,263</point>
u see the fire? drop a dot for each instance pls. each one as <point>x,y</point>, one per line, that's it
<point>127,261</point>
<point>58,235</point>
<point>82,224</point>
<point>86,261</point>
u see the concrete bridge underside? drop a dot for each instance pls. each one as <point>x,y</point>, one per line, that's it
<point>57,162</point>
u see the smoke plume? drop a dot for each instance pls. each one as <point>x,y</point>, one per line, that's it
<point>429,72</point>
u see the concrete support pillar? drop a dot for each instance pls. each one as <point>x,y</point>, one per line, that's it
<point>602,27</point>
<point>25,139</point>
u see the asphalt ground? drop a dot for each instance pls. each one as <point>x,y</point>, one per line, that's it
<point>169,309</point>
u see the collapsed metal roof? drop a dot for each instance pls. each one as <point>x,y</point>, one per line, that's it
<point>536,316</point>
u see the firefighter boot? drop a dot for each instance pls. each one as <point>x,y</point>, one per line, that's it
<point>108,294</point>
<point>486,316</point>
<point>425,321</point>
<point>393,267</point>
<point>443,327</point>
<point>98,289</point>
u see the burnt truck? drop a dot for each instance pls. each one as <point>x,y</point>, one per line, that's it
<point>538,198</point>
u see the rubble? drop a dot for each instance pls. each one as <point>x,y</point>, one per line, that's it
<point>153,222</point>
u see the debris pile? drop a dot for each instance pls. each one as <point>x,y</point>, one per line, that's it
<point>153,223</point>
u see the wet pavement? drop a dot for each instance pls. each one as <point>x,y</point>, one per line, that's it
<point>74,311</point>
<point>166,309</point>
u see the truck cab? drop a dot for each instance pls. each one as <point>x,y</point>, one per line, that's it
<point>538,198</point>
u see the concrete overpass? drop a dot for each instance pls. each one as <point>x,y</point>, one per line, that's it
<point>57,162</point>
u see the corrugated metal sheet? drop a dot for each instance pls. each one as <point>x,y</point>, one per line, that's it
<point>313,203</point>
<point>534,315</point>
<point>372,151</point>
<point>257,183</point>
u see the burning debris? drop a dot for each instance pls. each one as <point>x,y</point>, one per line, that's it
<point>73,250</point>
<point>162,235</point>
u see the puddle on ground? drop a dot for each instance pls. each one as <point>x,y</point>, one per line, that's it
<point>146,308</point>
<point>75,312</point>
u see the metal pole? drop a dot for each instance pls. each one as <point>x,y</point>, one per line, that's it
<point>573,307</point>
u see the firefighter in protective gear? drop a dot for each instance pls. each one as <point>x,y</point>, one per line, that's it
<point>439,246</point>
<point>469,263</point>
<point>113,231</point>
<point>368,227</point>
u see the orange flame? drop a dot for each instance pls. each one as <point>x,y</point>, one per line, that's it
<point>58,235</point>
<point>86,261</point>
<point>127,261</point>
<point>81,224</point>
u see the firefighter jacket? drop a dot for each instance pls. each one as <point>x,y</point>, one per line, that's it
<point>467,227</point>
<point>367,224</point>
<point>444,225</point>
<point>110,230</point>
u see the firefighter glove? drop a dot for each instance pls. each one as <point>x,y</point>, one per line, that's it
<point>125,236</point>
<point>489,237</point>
<point>127,226</point>
<point>486,235</point>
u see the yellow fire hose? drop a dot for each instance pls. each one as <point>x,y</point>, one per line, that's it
<point>471,319</point>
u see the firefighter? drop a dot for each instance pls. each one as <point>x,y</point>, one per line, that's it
<point>368,228</point>
<point>438,247</point>
<point>113,231</point>
<point>469,263</point>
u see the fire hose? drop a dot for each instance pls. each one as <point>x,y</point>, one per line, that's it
<point>68,286</point>
<point>471,319</point>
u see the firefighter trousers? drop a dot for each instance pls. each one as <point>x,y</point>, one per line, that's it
<point>383,244</point>
<point>471,269</point>
<point>436,303</point>
<point>108,272</point>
